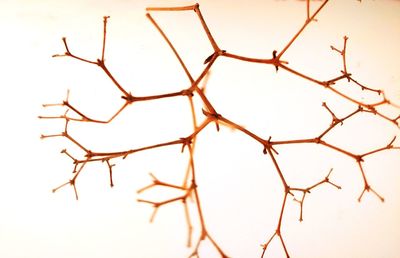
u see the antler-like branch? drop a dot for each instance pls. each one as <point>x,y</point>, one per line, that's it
<point>307,190</point>
<point>189,189</point>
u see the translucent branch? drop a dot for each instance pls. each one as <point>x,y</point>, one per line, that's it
<point>308,190</point>
<point>343,54</point>
<point>104,37</point>
<point>173,9</point>
<point>110,166</point>
<point>188,190</point>
<point>307,22</point>
<point>68,53</point>
<point>278,232</point>
<point>171,46</point>
<point>367,186</point>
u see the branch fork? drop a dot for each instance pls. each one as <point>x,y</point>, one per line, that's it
<point>188,188</point>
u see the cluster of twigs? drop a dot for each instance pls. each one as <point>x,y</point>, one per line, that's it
<point>188,188</point>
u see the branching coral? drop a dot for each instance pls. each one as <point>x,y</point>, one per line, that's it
<point>189,188</point>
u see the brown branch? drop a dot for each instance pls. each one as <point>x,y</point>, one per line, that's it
<point>335,120</point>
<point>343,54</point>
<point>72,181</point>
<point>189,188</point>
<point>204,231</point>
<point>387,147</point>
<point>248,59</point>
<point>348,75</point>
<point>363,87</point>
<point>68,53</point>
<point>179,8</point>
<point>104,37</point>
<point>308,190</point>
<point>367,186</point>
<point>171,46</point>
<point>157,205</point>
<point>157,182</point>
<point>110,166</point>
<point>206,29</point>
<point>327,85</point>
<point>188,223</point>
<point>278,232</point>
<point>116,83</point>
<point>307,22</point>
<point>358,159</point>
<point>128,100</point>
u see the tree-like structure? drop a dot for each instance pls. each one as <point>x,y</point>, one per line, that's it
<point>211,117</point>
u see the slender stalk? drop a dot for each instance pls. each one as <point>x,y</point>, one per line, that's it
<point>310,19</point>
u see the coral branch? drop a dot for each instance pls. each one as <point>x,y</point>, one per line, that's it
<point>308,190</point>
<point>343,54</point>
<point>367,187</point>
<point>188,190</point>
<point>104,37</point>
<point>307,22</point>
<point>171,46</point>
<point>110,166</point>
<point>179,8</point>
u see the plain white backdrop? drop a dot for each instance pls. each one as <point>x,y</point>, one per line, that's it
<point>240,191</point>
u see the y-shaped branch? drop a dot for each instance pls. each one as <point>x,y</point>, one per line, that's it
<point>308,190</point>
<point>189,186</point>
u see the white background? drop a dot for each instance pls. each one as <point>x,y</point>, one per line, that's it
<point>240,191</point>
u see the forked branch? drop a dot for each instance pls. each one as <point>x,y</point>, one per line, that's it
<point>188,191</point>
